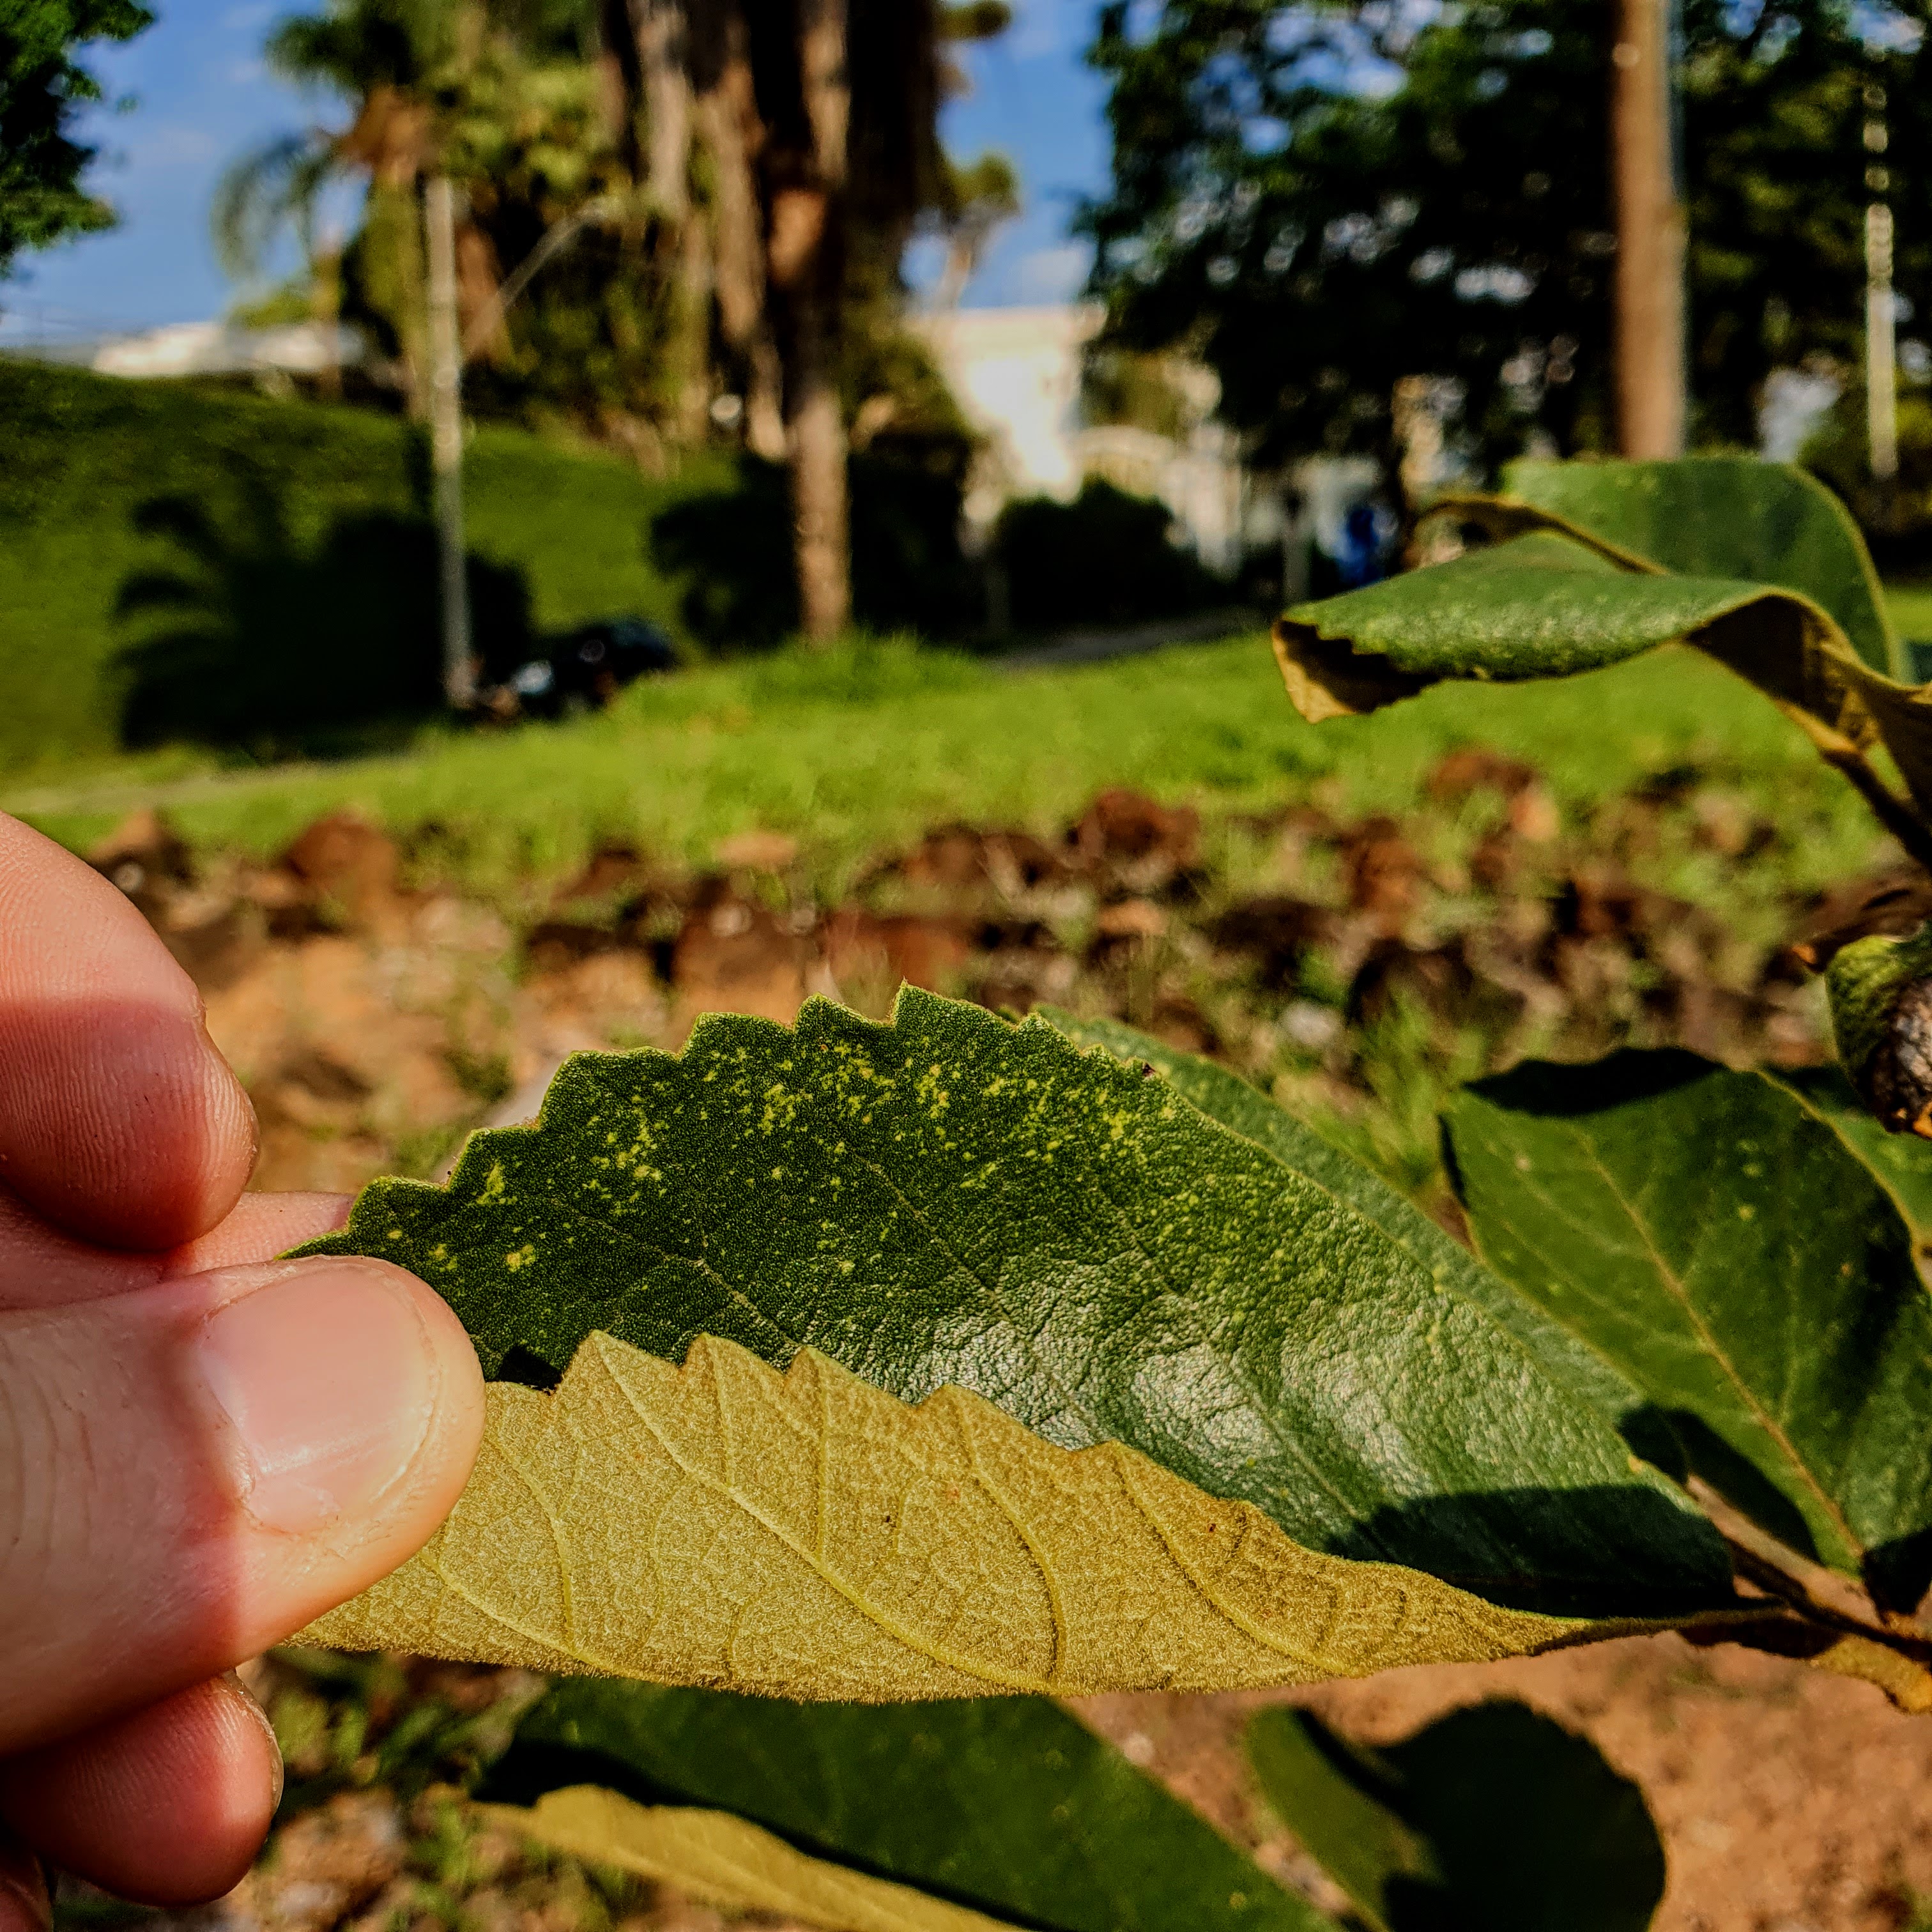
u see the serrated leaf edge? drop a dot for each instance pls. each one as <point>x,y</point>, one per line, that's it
<point>804,1534</point>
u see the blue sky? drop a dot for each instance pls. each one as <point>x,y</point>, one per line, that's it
<point>201,96</point>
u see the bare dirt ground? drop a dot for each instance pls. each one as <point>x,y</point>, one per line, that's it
<point>376,1017</point>
<point>1787,1801</point>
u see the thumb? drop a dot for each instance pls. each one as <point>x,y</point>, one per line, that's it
<point>192,1471</point>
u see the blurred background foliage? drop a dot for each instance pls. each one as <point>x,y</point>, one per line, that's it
<point>1311,206</point>
<point>42,82</point>
<point>1319,201</point>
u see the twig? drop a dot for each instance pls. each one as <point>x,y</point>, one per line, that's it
<point>1818,1594</point>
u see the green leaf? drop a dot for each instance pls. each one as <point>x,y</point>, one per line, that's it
<point>1570,589</point>
<point>1715,1236</point>
<point>1903,1161</point>
<point>1240,1108</point>
<point>950,1200</point>
<point>1007,1805</point>
<point>1493,1817</point>
<point>1539,605</point>
<point>1730,516</point>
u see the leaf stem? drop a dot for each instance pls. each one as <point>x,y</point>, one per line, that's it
<point>1893,812</point>
<point>1819,1595</point>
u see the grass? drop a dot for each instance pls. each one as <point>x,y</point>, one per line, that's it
<point>869,747</point>
<point>85,453</point>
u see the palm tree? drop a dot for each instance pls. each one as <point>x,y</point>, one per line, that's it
<point>817,120</point>
<point>380,56</point>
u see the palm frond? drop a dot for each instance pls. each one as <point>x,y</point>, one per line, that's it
<point>271,189</point>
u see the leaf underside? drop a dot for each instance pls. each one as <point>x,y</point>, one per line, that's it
<point>724,1860</point>
<point>1717,1238</point>
<point>950,1201</point>
<point>1008,1804</point>
<point>803,1534</point>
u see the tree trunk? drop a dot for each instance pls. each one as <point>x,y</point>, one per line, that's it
<point>820,515</point>
<point>725,112</point>
<point>446,412</point>
<point>393,239</point>
<point>325,309</point>
<point>664,72</point>
<point>1881,312</point>
<point>663,35</point>
<point>1650,221</point>
<point>807,259</point>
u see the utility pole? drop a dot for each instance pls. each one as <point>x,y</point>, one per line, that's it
<point>445,420</point>
<point>1646,178</point>
<point>1881,315</point>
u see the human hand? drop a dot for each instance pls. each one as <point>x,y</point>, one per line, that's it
<point>201,1448</point>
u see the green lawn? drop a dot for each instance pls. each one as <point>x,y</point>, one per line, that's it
<point>84,453</point>
<point>1911,608</point>
<point>866,749</point>
<point>861,751</point>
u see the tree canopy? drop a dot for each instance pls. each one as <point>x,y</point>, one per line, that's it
<point>41,85</point>
<point>1319,200</point>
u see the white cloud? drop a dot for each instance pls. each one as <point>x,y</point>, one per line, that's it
<point>244,19</point>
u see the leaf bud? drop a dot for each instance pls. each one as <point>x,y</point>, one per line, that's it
<point>1880,990</point>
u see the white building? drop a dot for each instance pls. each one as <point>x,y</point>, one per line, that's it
<point>207,348</point>
<point>1016,374</point>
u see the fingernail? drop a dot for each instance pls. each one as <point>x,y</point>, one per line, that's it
<point>238,1688</point>
<point>328,1377</point>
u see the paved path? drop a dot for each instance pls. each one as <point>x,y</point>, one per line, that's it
<point>1076,647</point>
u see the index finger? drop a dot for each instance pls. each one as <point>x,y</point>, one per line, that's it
<point>119,1120</point>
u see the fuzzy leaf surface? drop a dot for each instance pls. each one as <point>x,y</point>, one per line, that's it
<point>1493,1817</point>
<point>1008,1805</point>
<point>948,1200</point>
<point>803,1534</point>
<point>1717,1238</point>
<point>723,1860</point>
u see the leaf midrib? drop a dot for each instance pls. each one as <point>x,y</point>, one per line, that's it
<point>1679,1293</point>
